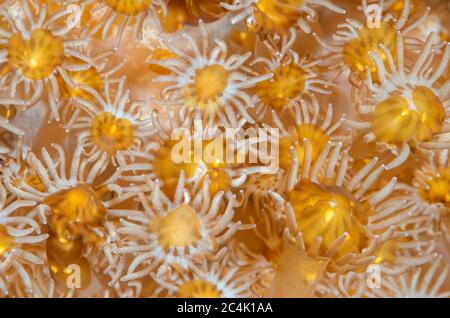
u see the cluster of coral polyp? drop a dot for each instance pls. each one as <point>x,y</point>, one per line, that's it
<point>93,202</point>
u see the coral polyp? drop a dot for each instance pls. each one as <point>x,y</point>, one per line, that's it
<point>294,76</point>
<point>333,221</point>
<point>117,15</point>
<point>37,57</point>
<point>199,155</point>
<point>268,17</point>
<point>179,228</point>
<point>79,205</point>
<point>301,143</point>
<point>356,40</point>
<point>408,96</point>
<point>209,80</point>
<point>19,232</point>
<point>221,279</point>
<point>224,149</point>
<point>180,231</point>
<point>111,127</point>
<point>356,51</point>
<point>37,50</point>
<point>111,134</point>
<point>209,85</point>
<point>325,212</point>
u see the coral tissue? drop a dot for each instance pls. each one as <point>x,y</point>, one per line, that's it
<point>224,148</point>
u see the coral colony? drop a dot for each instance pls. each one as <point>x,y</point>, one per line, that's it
<point>224,148</point>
